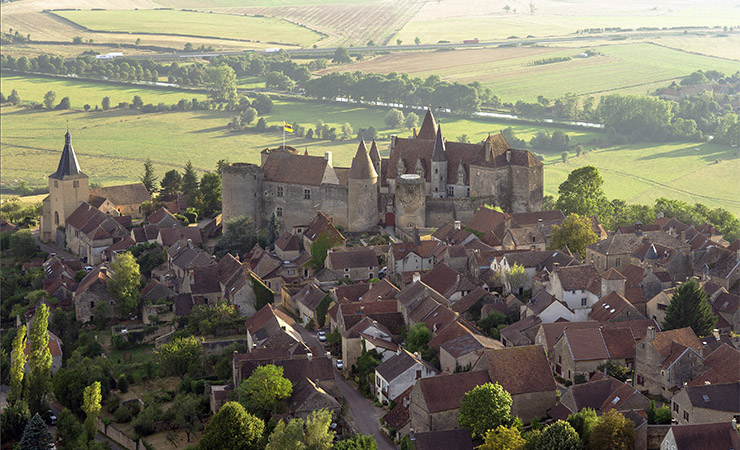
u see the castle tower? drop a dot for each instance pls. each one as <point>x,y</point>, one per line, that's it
<point>363,192</point>
<point>375,157</point>
<point>68,187</point>
<point>428,126</point>
<point>439,166</point>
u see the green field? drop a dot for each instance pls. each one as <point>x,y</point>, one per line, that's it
<point>33,88</point>
<point>242,3</point>
<point>228,26</point>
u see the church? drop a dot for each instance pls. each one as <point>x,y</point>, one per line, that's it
<point>425,182</point>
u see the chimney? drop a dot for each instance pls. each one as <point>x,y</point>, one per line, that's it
<point>683,236</point>
<point>734,424</point>
<point>650,333</point>
<point>309,356</point>
<point>539,225</point>
<point>659,215</point>
<point>638,226</point>
<point>487,150</point>
<point>414,132</point>
<point>458,225</point>
<point>715,333</point>
<point>398,351</point>
<point>190,243</point>
<point>417,277</point>
<point>508,156</point>
<point>417,238</point>
<point>327,157</point>
<point>405,401</point>
<point>412,434</point>
<point>393,141</point>
<point>555,266</point>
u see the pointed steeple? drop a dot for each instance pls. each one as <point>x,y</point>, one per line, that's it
<point>374,153</point>
<point>68,165</point>
<point>362,166</point>
<point>439,152</point>
<point>428,126</point>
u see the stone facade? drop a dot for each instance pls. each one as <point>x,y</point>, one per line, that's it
<point>706,404</point>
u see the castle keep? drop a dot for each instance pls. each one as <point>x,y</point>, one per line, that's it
<point>425,182</point>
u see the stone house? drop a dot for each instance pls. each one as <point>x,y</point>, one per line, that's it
<point>92,293</point>
<point>727,307</point>
<point>602,393</point>
<point>297,367</point>
<point>362,330</point>
<point>464,351</point>
<point>450,283</point>
<point>154,291</point>
<point>308,397</point>
<point>522,332</point>
<point>356,265</point>
<point>722,366</point>
<point>524,239</point>
<point>538,264</point>
<point>453,234</point>
<point>267,323</point>
<point>578,286</point>
<point>386,349</point>
<point>525,374</point>
<point>237,284</point>
<point>657,306</point>
<point>414,294</point>
<point>288,246</point>
<point>414,256</point>
<point>163,218</point>
<point>665,360</point>
<point>721,435</point>
<point>320,224</point>
<point>614,308</point>
<point>397,422</point>
<point>169,236</point>
<point>398,373</point>
<point>706,404</point>
<point>146,234</point>
<point>306,300</point>
<point>127,198</point>
<point>617,250</point>
<point>549,333</point>
<point>718,265</point>
<point>581,351</point>
<point>89,232</point>
<point>183,256</point>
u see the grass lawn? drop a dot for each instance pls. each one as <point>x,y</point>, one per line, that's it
<point>261,29</point>
<point>33,88</point>
<point>139,354</point>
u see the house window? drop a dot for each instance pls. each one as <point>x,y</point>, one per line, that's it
<point>56,183</point>
<point>560,359</point>
<point>418,374</point>
<point>662,307</point>
<point>307,194</point>
<point>76,184</point>
<point>92,305</point>
<point>640,380</point>
<point>370,275</point>
<point>279,191</point>
<point>619,260</point>
<point>675,407</point>
<point>450,191</point>
<point>686,416</point>
<point>279,211</point>
<point>584,301</point>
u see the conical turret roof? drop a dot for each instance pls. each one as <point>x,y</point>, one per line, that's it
<point>428,127</point>
<point>68,165</point>
<point>439,152</point>
<point>362,166</point>
<point>374,153</point>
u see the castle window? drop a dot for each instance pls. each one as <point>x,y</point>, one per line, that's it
<point>279,211</point>
<point>400,168</point>
<point>618,261</point>
<point>56,218</point>
<point>279,191</point>
<point>307,194</point>
<point>686,416</point>
<point>450,191</point>
<point>56,183</point>
<point>534,238</point>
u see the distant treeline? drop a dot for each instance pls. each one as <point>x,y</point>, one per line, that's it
<point>554,59</point>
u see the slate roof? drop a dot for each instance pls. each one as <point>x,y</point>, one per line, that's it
<point>458,439</point>
<point>719,397</point>
<point>444,392</point>
<point>68,165</point>
<point>126,194</point>
<point>400,363</point>
<point>98,274</point>
<point>520,370</point>
<point>705,436</point>
<point>718,261</point>
<point>288,242</point>
<point>156,290</point>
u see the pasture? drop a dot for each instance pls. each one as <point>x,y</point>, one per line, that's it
<point>620,68</point>
<point>200,24</point>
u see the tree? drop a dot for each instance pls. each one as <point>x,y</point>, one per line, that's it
<point>347,131</point>
<point>559,436</point>
<point>232,428</point>
<point>210,194</point>
<point>14,98</point>
<point>273,229</point>
<point>313,434</point>
<point>222,83</point>
<point>357,442</point>
<point>263,391</point>
<point>394,118</point>
<point>239,238</point>
<point>581,194</point>
<point>503,438</point>
<point>69,431</point>
<point>64,103</point>
<point>179,356</point>
<point>186,408</point>
<point>418,337</point>
<point>417,41</point>
<point>13,420</point>
<point>105,104</point>
<point>583,422</point>
<point>517,277</point>
<point>319,249</point>
<point>172,182</point>
<point>614,370</point>
<point>613,432</point>
<point>39,360</point>
<point>49,99</point>
<point>17,366</point>
<point>190,182</point>
<point>22,245</point>
<point>124,284</point>
<point>485,407</point>
<point>263,104</point>
<point>689,308</point>
<point>411,120</point>
<point>137,102</point>
<point>341,56</point>
<point>91,406</point>
<point>148,179</point>
<point>36,435</point>
<point>575,232</point>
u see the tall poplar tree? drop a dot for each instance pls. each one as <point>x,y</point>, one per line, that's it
<point>17,366</point>
<point>39,360</point>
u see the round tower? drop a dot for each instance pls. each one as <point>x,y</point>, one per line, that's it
<point>410,201</point>
<point>363,192</point>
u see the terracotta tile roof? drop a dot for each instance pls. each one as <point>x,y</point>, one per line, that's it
<point>319,224</point>
<point>618,244</point>
<point>124,221</point>
<point>399,416</point>
<point>446,281</point>
<point>157,216</point>
<point>126,194</point>
<point>705,436</point>
<point>609,307</point>
<point>432,314</point>
<point>444,392</point>
<point>428,129</point>
<point>488,220</point>
<point>521,329</point>
<point>384,289</point>
<point>458,439</point>
<point>727,303</point>
<point>724,367</point>
<point>267,313</point>
<point>452,331</point>
<point>171,235</point>
<point>381,343</point>
<point>552,331</point>
<point>581,277</point>
<point>352,292</point>
<point>685,337</point>
<point>470,299</point>
<point>288,242</point>
<point>426,249</point>
<point>54,347</point>
<point>586,344</point>
<point>450,235</point>
<point>540,301</point>
<point>156,290</point>
<point>205,280</point>
<point>228,266</point>
<point>98,274</point>
<point>600,394</point>
<point>532,218</point>
<point>520,370</point>
<point>310,295</point>
<point>613,274</point>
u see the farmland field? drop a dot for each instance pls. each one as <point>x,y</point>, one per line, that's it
<point>621,68</point>
<point>263,29</point>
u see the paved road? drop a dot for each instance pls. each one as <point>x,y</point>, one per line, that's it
<point>50,248</point>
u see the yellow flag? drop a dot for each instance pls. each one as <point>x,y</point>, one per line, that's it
<point>288,127</point>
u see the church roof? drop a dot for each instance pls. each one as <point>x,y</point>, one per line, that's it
<point>428,127</point>
<point>68,165</point>
<point>438,152</point>
<point>362,167</point>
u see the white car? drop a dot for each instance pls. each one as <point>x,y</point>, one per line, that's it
<point>321,335</point>
<point>340,364</point>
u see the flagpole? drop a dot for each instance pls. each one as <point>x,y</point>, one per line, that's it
<point>283,135</point>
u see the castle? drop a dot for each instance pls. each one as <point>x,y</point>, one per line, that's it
<point>425,182</point>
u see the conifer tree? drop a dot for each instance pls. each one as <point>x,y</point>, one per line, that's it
<point>148,179</point>
<point>190,182</point>
<point>36,435</point>
<point>690,308</point>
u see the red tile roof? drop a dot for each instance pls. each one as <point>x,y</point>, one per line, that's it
<point>520,370</point>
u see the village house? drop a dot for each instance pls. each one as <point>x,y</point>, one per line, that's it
<point>656,307</point>
<point>163,218</point>
<point>462,353</point>
<point>414,256</point>
<point>702,436</point>
<point>524,239</point>
<point>398,373</point>
<point>307,397</point>
<point>451,284</point>
<point>706,404</point>
<point>549,333</point>
<point>722,366</point>
<point>578,286</point>
<point>126,199</point>
<point>521,332</point>
<point>297,367</point>
<point>269,326</point>
<point>718,265</point>
<point>601,393</point>
<point>288,247</point>
<point>89,232</point>
<point>92,296</point>
<point>614,308</point>
<point>727,307</point>
<point>307,300</point>
<point>356,265</point>
<point>383,324</point>
<point>453,234</point>
<point>665,360</point>
<point>582,351</point>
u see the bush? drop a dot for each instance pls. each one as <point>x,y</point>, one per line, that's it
<point>123,384</point>
<point>579,378</point>
<point>146,422</point>
<point>125,413</point>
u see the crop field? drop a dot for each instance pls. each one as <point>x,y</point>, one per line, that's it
<point>261,29</point>
<point>33,88</point>
<point>621,68</point>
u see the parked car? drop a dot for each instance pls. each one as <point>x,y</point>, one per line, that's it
<point>340,364</point>
<point>321,335</point>
<point>51,418</point>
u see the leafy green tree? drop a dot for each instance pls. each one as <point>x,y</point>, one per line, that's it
<point>313,434</point>
<point>190,182</point>
<point>13,420</point>
<point>49,99</point>
<point>65,103</point>
<point>17,366</point>
<point>39,360</point>
<point>124,284</point>
<point>418,337</point>
<point>341,56</point>
<point>581,194</point>
<point>613,369</point>
<point>179,356</point>
<point>613,432</point>
<point>273,229</point>
<point>503,438</point>
<point>660,416</point>
<point>319,249</point>
<point>689,307</point>
<point>105,103</point>
<point>186,408</point>
<point>137,102</point>
<point>583,422</point>
<point>264,390</point>
<point>91,405</point>
<point>357,442</point>
<point>14,98</point>
<point>239,238</point>
<point>347,131</point>
<point>485,407</point>
<point>36,435</point>
<point>575,232</point>
<point>559,436</point>
<point>411,120</point>
<point>394,118</point>
<point>69,431</point>
<point>232,428</point>
<point>149,179</point>
<point>22,245</point>
<point>517,277</point>
<point>417,41</point>
<point>263,104</point>
<point>222,83</point>
<point>210,194</point>
<point>172,182</point>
